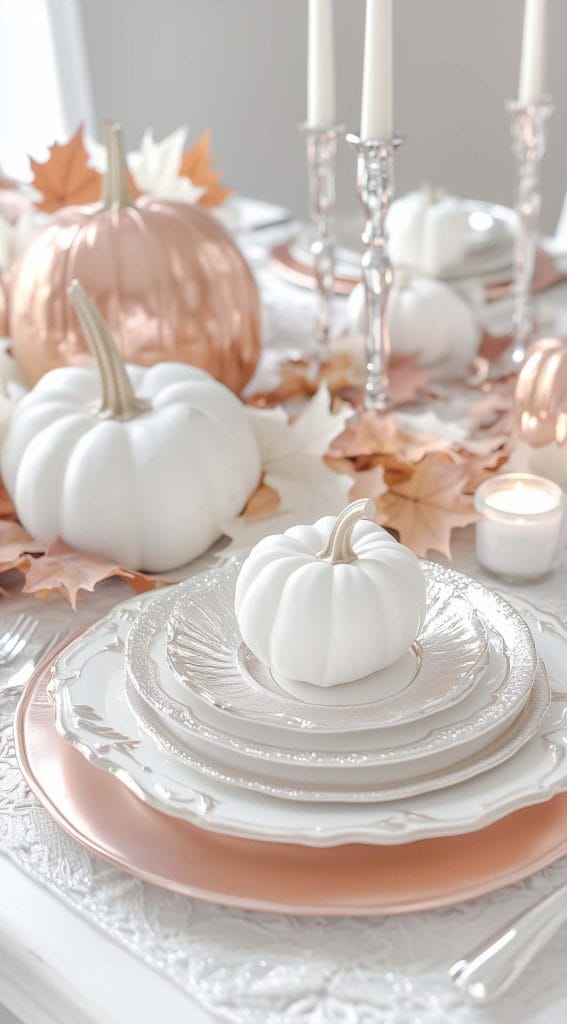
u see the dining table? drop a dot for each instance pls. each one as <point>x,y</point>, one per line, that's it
<point>82,942</point>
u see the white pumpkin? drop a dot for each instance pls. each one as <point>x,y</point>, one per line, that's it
<point>429,232</point>
<point>333,602</point>
<point>139,465</point>
<point>424,316</point>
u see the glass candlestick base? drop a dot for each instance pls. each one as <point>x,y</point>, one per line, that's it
<point>529,136</point>
<point>375,185</point>
<point>321,166</point>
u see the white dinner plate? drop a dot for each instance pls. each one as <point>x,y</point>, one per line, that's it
<point>206,654</point>
<point>92,713</point>
<point>369,765</point>
<point>489,249</point>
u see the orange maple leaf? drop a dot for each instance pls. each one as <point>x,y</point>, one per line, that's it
<point>425,508</point>
<point>7,510</point>
<point>408,381</point>
<point>66,572</point>
<point>196,165</point>
<point>379,434</point>
<point>16,549</point>
<point>264,502</point>
<point>66,179</point>
<point>370,483</point>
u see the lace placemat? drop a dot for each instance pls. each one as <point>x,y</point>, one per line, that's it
<point>276,969</point>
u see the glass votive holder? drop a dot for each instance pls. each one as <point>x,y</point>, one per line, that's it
<point>519,534</point>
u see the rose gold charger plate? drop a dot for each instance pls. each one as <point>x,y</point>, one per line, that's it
<point>287,265</point>
<point>106,818</point>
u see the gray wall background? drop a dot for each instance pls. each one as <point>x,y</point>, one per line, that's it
<point>238,67</point>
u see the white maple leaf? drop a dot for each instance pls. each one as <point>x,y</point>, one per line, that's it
<point>155,165</point>
<point>292,461</point>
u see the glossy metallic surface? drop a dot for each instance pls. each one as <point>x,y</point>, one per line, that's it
<point>489,971</point>
<point>165,275</point>
<point>101,814</point>
<point>541,394</point>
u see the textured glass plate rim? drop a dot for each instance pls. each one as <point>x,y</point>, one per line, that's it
<point>520,731</point>
<point>144,673</point>
<point>287,712</point>
<point>388,826</point>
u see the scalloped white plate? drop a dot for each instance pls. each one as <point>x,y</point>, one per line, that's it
<point>206,655</point>
<point>93,715</point>
<point>456,743</point>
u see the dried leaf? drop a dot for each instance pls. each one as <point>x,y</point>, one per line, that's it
<point>379,434</point>
<point>64,571</point>
<point>493,346</point>
<point>295,383</point>
<point>370,483</point>
<point>16,549</point>
<point>408,381</point>
<point>7,510</point>
<point>480,467</point>
<point>196,165</point>
<point>66,179</point>
<point>295,470</point>
<point>425,508</point>
<point>375,433</point>
<point>264,502</point>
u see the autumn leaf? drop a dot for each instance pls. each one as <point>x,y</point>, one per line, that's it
<point>296,473</point>
<point>296,383</point>
<point>7,510</point>
<point>425,508</point>
<point>16,549</point>
<point>370,483</point>
<point>379,434</point>
<point>481,467</point>
<point>196,165</point>
<point>373,434</point>
<point>408,381</point>
<point>66,572</point>
<point>264,502</point>
<point>66,179</point>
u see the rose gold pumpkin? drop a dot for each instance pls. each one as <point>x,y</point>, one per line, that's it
<point>166,276</point>
<point>541,393</point>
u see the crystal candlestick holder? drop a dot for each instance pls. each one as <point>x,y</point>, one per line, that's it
<point>529,123</point>
<point>375,185</point>
<point>321,166</point>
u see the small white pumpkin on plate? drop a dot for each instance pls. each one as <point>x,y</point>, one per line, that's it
<point>333,602</point>
<point>139,465</point>
<point>429,231</point>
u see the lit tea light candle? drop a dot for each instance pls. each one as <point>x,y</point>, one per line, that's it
<point>519,534</point>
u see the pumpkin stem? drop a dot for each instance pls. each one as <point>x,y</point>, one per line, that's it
<point>339,545</point>
<point>118,401</point>
<point>116,193</point>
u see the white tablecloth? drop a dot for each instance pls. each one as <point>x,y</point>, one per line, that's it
<point>67,918</point>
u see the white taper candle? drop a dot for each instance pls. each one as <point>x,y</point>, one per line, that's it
<point>533,52</point>
<point>376,118</point>
<point>321,111</point>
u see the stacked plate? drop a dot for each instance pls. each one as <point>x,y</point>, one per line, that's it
<point>164,694</point>
<point>487,258</point>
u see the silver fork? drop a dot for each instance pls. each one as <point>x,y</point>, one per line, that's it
<point>488,971</point>
<point>18,680</point>
<point>14,639</point>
